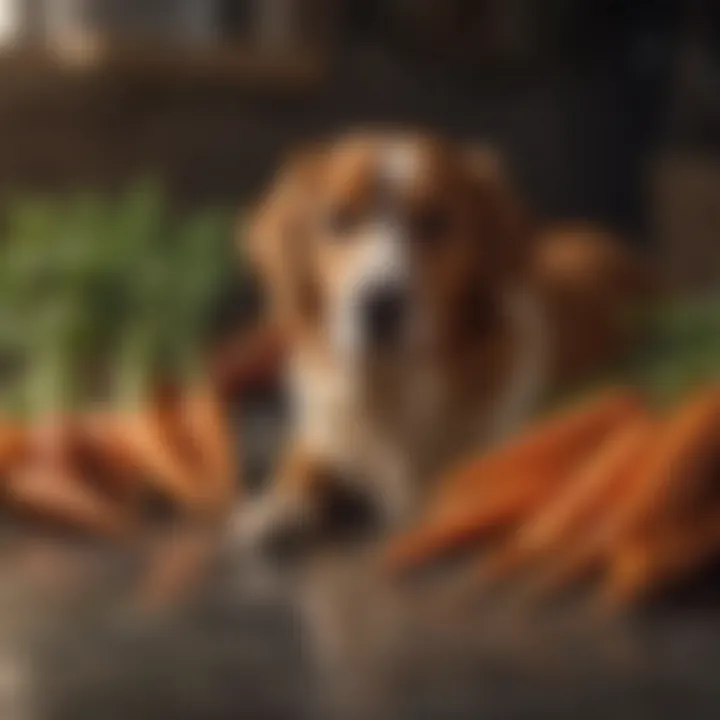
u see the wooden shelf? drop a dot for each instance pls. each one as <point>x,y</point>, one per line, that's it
<point>245,66</point>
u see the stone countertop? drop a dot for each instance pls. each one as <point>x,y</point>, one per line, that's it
<point>182,626</point>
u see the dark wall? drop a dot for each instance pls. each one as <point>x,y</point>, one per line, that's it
<point>578,129</point>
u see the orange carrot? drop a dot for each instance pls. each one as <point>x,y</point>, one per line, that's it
<point>145,436</point>
<point>586,492</point>
<point>650,563</point>
<point>453,532</point>
<point>207,427</point>
<point>140,443</point>
<point>669,468</point>
<point>587,553</point>
<point>571,433</point>
<point>250,360</point>
<point>105,458</point>
<point>14,442</point>
<point>505,485</point>
<point>675,467</point>
<point>61,497</point>
<point>47,486</point>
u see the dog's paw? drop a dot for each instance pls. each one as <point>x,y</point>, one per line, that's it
<point>273,523</point>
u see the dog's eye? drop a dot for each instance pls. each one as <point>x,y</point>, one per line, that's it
<point>431,225</point>
<point>340,221</point>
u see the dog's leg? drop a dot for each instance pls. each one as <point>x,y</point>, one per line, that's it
<point>289,508</point>
<point>394,486</point>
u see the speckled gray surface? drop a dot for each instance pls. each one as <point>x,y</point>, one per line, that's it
<point>83,636</point>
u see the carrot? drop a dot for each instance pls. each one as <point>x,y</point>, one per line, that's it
<point>676,465</point>
<point>650,563</point>
<point>47,486</point>
<point>252,359</point>
<point>61,497</point>
<point>587,491</point>
<point>505,485</point>
<point>585,556</point>
<point>13,445</point>
<point>144,435</point>
<point>671,464</point>
<point>105,457</point>
<point>571,433</point>
<point>139,443</point>
<point>207,427</point>
<point>453,532</point>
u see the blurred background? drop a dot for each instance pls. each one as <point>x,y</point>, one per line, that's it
<point>607,109</point>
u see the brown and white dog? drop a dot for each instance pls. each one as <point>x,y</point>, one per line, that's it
<point>427,316</point>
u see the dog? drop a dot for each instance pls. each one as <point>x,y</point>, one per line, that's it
<point>427,315</point>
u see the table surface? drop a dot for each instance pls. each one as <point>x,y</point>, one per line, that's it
<point>181,625</point>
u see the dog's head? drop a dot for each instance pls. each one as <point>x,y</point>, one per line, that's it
<point>384,245</point>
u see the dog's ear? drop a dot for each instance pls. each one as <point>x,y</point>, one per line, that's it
<point>504,224</point>
<point>276,244</point>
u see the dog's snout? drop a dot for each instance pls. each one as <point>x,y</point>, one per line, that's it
<point>384,310</point>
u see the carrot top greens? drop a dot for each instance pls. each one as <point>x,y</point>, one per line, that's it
<point>678,352</point>
<point>100,297</point>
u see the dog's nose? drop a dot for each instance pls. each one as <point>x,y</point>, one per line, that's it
<point>384,311</point>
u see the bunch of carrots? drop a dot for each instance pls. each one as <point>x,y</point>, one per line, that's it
<point>107,394</point>
<point>607,488</point>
